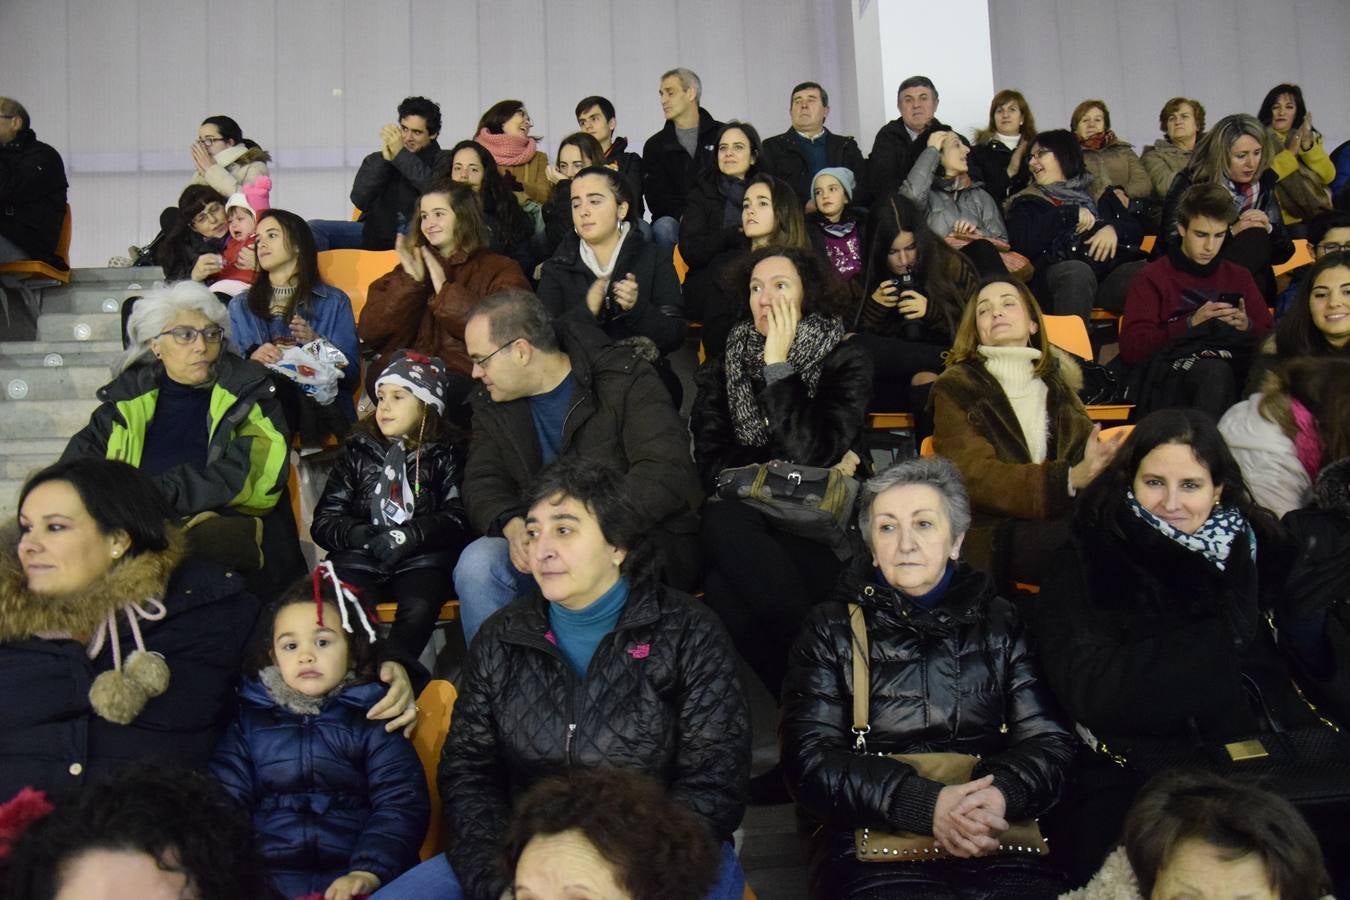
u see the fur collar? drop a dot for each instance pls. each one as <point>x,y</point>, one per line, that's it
<point>134,579</point>
<point>242,154</point>
<point>291,700</point>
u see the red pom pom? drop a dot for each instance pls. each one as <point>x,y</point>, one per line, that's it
<point>27,806</point>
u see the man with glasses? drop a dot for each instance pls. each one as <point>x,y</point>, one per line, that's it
<point>389,181</point>
<point>552,391</point>
<point>1328,233</point>
<point>32,190</point>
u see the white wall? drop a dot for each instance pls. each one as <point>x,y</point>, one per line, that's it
<point>1136,55</point>
<point>947,41</point>
<point>119,86</point>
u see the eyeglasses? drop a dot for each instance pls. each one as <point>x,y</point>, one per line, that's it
<point>211,211</point>
<point>482,363</point>
<point>210,140</point>
<point>186,334</point>
<point>1040,151</point>
<point>1324,249</point>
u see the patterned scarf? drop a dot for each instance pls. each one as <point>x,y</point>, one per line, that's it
<point>1073,192</point>
<point>507,149</point>
<point>1308,441</point>
<point>1213,540</point>
<point>394,497</point>
<point>1098,141</point>
<point>1244,195</point>
<point>816,336</point>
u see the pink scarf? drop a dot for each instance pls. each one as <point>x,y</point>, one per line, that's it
<point>507,149</point>
<point>1307,442</point>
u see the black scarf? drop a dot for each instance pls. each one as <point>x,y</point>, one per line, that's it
<point>816,336</point>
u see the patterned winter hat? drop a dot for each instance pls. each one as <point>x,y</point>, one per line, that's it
<point>422,376</point>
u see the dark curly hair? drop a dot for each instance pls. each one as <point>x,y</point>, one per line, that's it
<point>599,487</point>
<point>822,292</point>
<point>360,653</point>
<point>183,819</point>
<point>658,849</point>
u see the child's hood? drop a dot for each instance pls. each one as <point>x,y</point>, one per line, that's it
<point>269,690</point>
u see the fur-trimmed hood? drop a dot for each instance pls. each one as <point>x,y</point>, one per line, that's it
<point>133,579</point>
<point>1332,490</point>
<point>242,154</point>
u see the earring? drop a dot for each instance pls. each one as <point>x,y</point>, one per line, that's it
<point>116,553</point>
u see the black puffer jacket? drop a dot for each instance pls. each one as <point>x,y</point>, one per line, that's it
<point>32,195</point>
<point>386,190</point>
<point>661,696</point>
<point>1313,608</point>
<point>958,678</point>
<point>658,313</point>
<point>668,170</point>
<point>630,167</point>
<point>809,431</point>
<point>439,528</point>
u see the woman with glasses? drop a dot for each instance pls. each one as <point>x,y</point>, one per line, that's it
<point>505,131</point>
<point>204,425</point>
<point>193,245</point>
<point>225,159</point>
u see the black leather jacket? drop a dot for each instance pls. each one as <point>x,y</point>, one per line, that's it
<point>661,696</point>
<point>439,528</point>
<point>957,678</point>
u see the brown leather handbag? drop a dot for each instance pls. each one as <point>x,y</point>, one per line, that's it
<point>871,845</point>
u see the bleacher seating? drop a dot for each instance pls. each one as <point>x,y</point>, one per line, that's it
<point>28,276</point>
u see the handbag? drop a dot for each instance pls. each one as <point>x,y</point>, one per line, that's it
<point>871,845</point>
<point>808,501</point>
<point>1017,264</point>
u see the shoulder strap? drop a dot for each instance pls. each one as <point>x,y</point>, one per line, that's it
<point>862,679</point>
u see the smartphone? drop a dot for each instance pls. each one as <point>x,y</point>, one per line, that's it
<point>1231,298</point>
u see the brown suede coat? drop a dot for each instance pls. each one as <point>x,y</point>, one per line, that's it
<point>974,426</point>
<point>402,313</point>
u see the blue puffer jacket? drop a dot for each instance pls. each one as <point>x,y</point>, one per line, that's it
<point>330,793</point>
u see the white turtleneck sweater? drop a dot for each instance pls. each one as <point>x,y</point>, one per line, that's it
<point>1013,368</point>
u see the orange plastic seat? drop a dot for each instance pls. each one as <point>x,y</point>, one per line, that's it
<point>888,421</point>
<point>437,703</point>
<point>26,274</point>
<point>1302,257</point>
<point>681,267</point>
<point>926,447</point>
<point>384,612</point>
<point>353,271</point>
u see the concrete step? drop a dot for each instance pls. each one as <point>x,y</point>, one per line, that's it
<point>104,275</point>
<point>38,382</point>
<point>89,299</point>
<point>21,466</point>
<point>80,327</point>
<point>9,497</point>
<point>45,419</point>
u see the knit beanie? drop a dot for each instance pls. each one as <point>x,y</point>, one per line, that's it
<point>422,376</point>
<point>845,177</point>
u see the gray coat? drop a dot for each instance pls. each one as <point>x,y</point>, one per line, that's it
<point>1163,160</point>
<point>943,204</point>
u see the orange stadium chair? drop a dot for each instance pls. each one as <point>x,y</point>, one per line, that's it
<point>28,275</point>
<point>1302,257</point>
<point>353,271</point>
<point>437,703</point>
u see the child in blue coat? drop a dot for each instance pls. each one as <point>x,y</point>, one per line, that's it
<point>340,806</point>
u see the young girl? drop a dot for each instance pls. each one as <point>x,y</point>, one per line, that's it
<point>575,152</point>
<point>340,805</point>
<point>836,226</point>
<point>390,515</point>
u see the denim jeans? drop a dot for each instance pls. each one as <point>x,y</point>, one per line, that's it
<point>435,878</point>
<point>666,231</point>
<point>334,234</point>
<point>485,581</point>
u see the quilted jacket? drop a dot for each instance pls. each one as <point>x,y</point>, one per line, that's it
<point>439,528</point>
<point>329,793</point>
<point>661,696</point>
<point>957,678</point>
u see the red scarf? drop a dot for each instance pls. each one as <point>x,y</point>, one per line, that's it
<point>1098,141</point>
<point>507,149</point>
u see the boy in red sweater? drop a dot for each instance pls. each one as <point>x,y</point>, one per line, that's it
<point>1204,314</point>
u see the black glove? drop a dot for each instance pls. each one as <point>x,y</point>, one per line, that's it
<point>360,536</point>
<point>390,547</point>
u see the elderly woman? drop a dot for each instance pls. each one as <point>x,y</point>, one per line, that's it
<point>1302,164</point>
<point>1154,611</point>
<point>1076,231</point>
<point>1182,121</point>
<point>950,671</point>
<point>1108,159</point>
<point>505,131</point>
<point>608,833</point>
<point>999,156</point>
<point>1007,413</point>
<point>1236,153</point>
<point>204,426</point>
<point>600,666</point>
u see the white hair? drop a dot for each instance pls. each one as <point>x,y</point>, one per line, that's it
<point>155,309</point>
<point>937,472</point>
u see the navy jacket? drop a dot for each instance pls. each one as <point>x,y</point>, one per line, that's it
<point>330,793</point>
